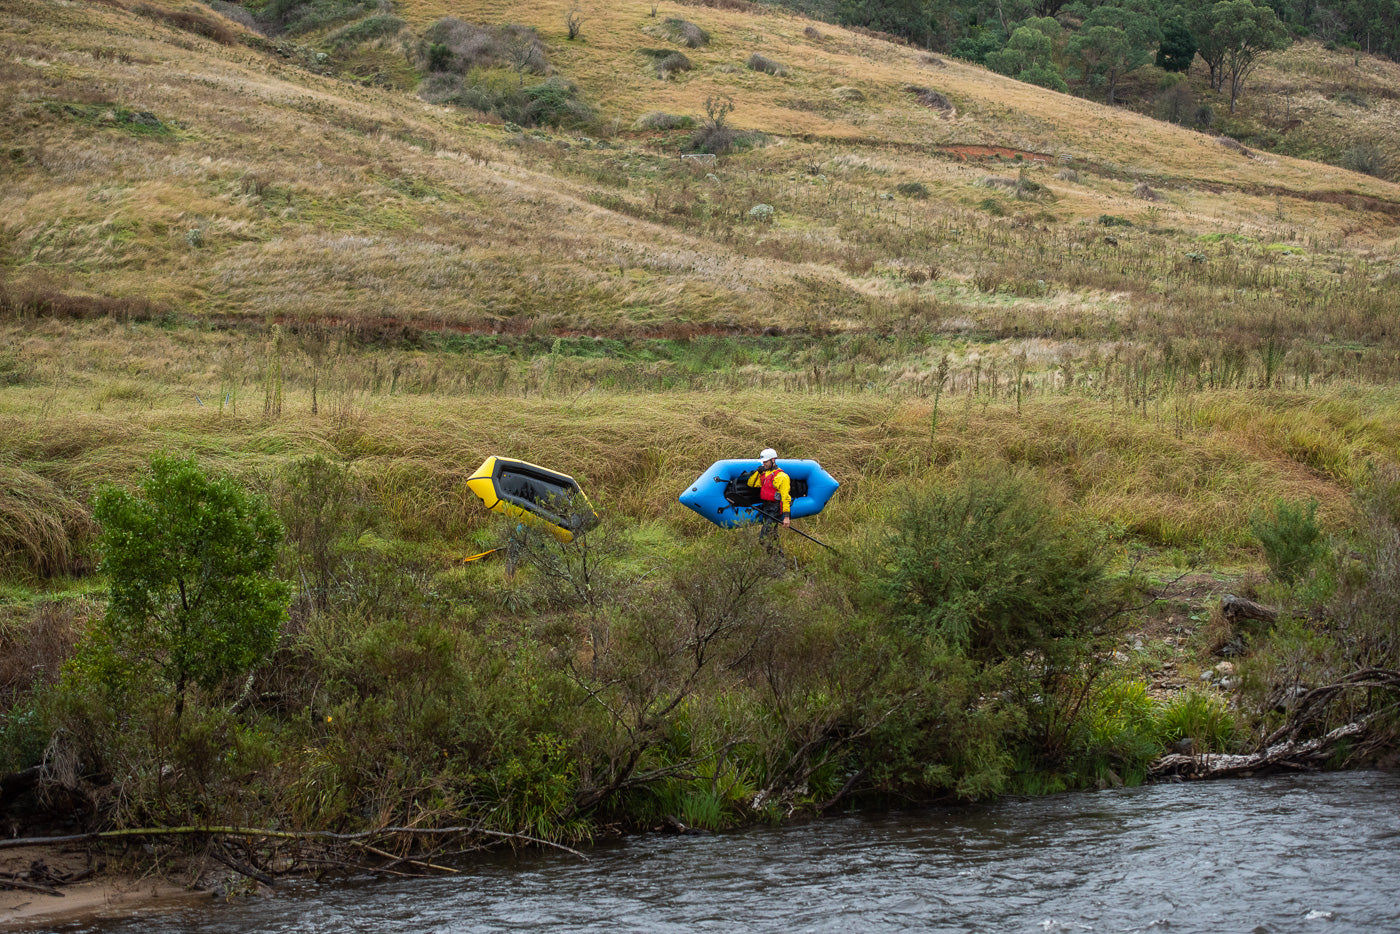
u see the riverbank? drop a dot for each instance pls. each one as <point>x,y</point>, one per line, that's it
<point>97,892</point>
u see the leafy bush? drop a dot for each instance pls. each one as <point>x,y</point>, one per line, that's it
<point>189,561</point>
<point>296,17</point>
<point>715,135</point>
<point>1369,579</point>
<point>1045,76</point>
<point>1368,159</point>
<point>1122,728</point>
<point>915,190</point>
<point>989,568</point>
<point>553,102</point>
<point>315,498</point>
<point>1291,538</point>
<point>1176,104</point>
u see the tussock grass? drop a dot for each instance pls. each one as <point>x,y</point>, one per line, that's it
<point>43,530</point>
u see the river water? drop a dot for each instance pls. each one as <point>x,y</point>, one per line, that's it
<point>1315,853</point>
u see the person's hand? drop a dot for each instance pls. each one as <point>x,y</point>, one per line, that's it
<point>786,522</point>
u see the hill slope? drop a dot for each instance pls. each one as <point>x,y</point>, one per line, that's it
<point>151,163</point>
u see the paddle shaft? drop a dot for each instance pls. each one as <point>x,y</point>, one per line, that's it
<point>791,528</point>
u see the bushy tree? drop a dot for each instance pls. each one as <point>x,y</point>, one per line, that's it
<point>979,42</point>
<point>987,566</point>
<point>1178,48</point>
<point>1113,42</point>
<point>188,557</point>
<point>1029,54</point>
<point>1242,32</point>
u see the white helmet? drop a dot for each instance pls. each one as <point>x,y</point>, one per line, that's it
<point>768,454</point>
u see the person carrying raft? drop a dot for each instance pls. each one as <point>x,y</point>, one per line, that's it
<point>775,497</point>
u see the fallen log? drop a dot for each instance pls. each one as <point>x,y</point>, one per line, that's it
<point>8,882</point>
<point>1235,608</point>
<point>1283,749</point>
<point>1307,756</point>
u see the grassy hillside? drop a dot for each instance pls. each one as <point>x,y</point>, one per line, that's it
<point>262,248</point>
<point>265,189</point>
<point>172,197</point>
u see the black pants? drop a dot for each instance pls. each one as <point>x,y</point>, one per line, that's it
<point>772,524</point>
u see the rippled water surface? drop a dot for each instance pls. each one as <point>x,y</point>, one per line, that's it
<point>1307,853</point>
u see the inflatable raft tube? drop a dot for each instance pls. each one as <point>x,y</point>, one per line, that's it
<point>722,495</point>
<point>534,494</point>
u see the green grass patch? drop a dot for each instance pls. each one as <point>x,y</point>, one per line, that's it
<point>140,123</point>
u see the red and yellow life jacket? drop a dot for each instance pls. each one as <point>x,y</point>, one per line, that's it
<point>773,485</point>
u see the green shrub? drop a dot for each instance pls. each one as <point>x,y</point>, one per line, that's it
<point>439,57</point>
<point>315,498</point>
<point>188,559</point>
<point>1369,579</point>
<point>912,190</point>
<point>1291,537</point>
<point>1367,158</point>
<point>1122,729</point>
<point>1045,76</point>
<point>1200,716</point>
<point>470,46</point>
<point>656,120</point>
<point>296,17</point>
<point>987,566</point>
<point>553,102</point>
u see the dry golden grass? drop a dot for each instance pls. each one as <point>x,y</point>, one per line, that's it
<point>1124,362</point>
<point>1181,472</point>
<point>271,190</point>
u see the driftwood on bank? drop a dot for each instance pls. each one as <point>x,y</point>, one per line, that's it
<point>1235,608</point>
<point>1284,749</point>
<point>284,853</point>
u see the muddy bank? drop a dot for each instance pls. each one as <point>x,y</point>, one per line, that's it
<point>52,884</point>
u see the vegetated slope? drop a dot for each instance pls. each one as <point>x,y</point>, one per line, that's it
<point>1332,105</point>
<point>154,164</point>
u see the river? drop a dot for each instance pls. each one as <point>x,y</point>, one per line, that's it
<point>1311,853</point>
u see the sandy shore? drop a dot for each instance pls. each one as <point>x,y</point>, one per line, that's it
<point>102,895</point>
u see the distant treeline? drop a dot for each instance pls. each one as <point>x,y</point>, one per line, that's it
<point>973,29</point>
